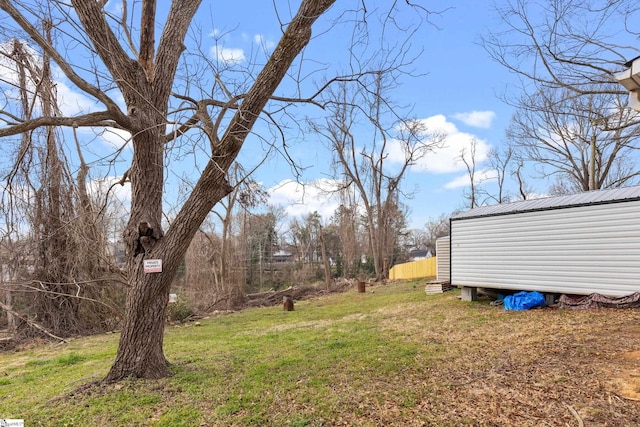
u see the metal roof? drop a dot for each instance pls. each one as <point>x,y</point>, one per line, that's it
<point>595,197</point>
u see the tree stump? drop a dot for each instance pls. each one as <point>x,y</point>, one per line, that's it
<point>361,287</point>
<point>287,303</point>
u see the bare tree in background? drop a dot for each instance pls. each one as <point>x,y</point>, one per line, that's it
<point>366,165</point>
<point>583,140</point>
<point>346,220</point>
<point>468,156</point>
<point>64,265</point>
<point>524,190</point>
<point>246,195</point>
<point>305,237</point>
<point>437,228</point>
<point>567,53</point>
<point>201,287</point>
<point>417,238</point>
<point>498,166</point>
<point>325,259</point>
<point>500,161</point>
<point>260,238</point>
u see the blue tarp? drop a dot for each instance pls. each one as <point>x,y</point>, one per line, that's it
<point>524,301</point>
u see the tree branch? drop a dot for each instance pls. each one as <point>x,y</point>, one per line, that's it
<point>31,323</point>
<point>101,118</point>
<point>147,37</point>
<point>212,185</point>
<point>171,42</point>
<point>58,59</point>
<point>106,44</point>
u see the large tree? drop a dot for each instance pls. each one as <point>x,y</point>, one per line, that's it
<point>144,74</point>
<point>158,111</point>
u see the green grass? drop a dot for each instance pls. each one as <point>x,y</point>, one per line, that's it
<point>349,359</point>
<point>238,368</point>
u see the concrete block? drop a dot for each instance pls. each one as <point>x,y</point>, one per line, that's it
<point>469,293</point>
<point>549,299</point>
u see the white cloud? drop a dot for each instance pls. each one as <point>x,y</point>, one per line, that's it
<point>480,176</point>
<point>236,55</point>
<point>115,7</point>
<point>115,137</point>
<point>72,103</point>
<point>459,181</point>
<point>227,55</point>
<point>267,45</point>
<point>110,137</point>
<point>300,199</point>
<point>119,196</point>
<point>479,119</point>
<point>446,158</point>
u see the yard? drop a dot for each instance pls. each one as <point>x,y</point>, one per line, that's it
<point>390,356</point>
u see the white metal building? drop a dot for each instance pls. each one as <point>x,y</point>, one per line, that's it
<point>577,244</point>
<point>442,259</point>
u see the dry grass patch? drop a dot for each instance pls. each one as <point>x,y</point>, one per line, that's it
<point>540,367</point>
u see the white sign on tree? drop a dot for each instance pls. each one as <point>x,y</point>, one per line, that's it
<point>153,266</point>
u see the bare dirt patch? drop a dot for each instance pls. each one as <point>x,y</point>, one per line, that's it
<point>626,382</point>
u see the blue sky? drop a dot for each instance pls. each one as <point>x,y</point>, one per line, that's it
<point>456,92</point>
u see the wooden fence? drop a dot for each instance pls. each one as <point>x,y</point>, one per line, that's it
<point>414,269</point>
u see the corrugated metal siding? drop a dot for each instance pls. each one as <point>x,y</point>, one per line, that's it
<point>442,256</point>
<point>574,250</point>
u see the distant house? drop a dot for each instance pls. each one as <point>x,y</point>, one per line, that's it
<point>418,254</point>
<point>117,252</point>
<point>282,257</point>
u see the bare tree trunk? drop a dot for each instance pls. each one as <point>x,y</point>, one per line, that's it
<point>325,260</point>
<point>468,157</point>
<point>374,244</point>
<point>347,225</point>
<point>11,319</point>
<point>140,352</point>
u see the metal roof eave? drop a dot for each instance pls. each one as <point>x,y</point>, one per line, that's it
<point>588,198</point>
